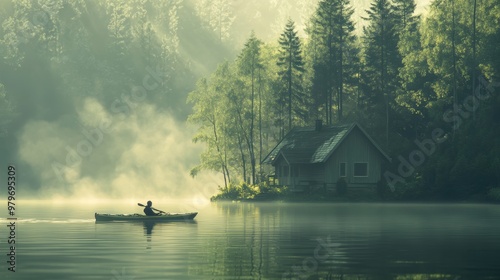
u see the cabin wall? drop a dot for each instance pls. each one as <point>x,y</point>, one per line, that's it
<point>301,174</point>
<point>355,148</point>
<point>281,172</point>
<point>312,175</point>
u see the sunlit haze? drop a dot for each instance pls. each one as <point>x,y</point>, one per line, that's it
<point>109,132</point>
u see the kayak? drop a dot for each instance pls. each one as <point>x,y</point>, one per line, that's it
<point>139,217</point>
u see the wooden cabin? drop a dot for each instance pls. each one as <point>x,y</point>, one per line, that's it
<point>316,157</point>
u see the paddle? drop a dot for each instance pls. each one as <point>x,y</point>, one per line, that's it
<point>140,204</point>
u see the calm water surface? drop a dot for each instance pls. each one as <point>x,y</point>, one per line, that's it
<point>260,241</point>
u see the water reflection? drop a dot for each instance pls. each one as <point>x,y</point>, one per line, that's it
<point>360,241</point>
<point>246,242</point>
<point>148,227</point>
<point>272,241</point>
<point>148,230</point>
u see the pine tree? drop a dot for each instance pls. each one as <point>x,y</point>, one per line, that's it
<point>332,33</point>
<point>382,61</point>
<point>119,27</point>
<point>218,16</point>
<point>413,94</point>
<point>403,13</point>
<point>291,70</point>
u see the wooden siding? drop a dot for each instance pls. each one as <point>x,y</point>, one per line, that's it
<point>308,174</point>
<point>355,148</point>
<point>282,178</point>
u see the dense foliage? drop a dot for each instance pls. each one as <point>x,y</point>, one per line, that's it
<point>66,65</point>
<point>424,88</point>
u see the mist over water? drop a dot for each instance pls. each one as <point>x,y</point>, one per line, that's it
<point>261,241</point>
<point>85,111</point>
<point>145,153</point>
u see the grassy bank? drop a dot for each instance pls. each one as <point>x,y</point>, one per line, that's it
<point>264,192</point>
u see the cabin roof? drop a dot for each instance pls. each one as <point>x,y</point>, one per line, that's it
<point>308,145</point>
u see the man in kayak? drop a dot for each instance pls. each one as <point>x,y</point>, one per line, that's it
<point>148,211</point>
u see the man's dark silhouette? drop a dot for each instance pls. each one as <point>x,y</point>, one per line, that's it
<point>148,211</point>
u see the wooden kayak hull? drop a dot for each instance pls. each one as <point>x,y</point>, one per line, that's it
<point>139,217</point>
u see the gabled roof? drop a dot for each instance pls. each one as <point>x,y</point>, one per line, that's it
<point>307,145</point>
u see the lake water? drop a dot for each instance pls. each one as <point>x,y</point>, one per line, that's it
<point>259,241</point>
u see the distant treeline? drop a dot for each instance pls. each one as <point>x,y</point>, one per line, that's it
<point>405,79</point>
<point>55,55</point>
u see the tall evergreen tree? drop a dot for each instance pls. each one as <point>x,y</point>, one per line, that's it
<point>218,16</point>
<point>404,13</point>
<point>119,27</point>
<point>382,61</point>
<point>291,70</point>
<point>332,32</point>
<point>413,92</point>
<point>467,165</point>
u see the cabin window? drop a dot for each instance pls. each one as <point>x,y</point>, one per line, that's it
<point>342,170</point>
<point>360,169</point>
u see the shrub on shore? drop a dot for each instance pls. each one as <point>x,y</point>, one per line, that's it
<point>244,191</point>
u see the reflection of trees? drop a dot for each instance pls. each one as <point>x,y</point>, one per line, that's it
<point>246,244</point>
<point>265,241</point>
<point>261,241</point>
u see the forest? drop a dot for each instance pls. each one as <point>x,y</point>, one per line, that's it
<point>424,86</point>
<point>242,74</point>
<point>93,93</point>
